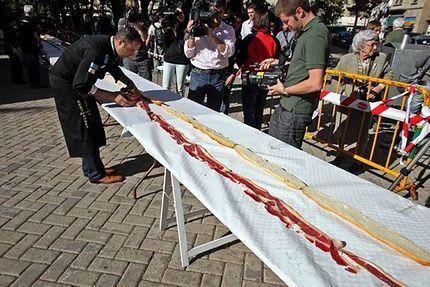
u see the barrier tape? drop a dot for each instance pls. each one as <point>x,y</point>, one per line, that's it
<point>380,108</point>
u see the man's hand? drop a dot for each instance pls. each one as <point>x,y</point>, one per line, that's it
<point>373,94</point>
<point>265,65</point>
<point>230,79</point>
<point>190,25</point>
<point>278,89</point>
<point>126,99</point>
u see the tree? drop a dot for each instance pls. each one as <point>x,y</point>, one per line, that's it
<point>329,10</point>
<point>363,8</point>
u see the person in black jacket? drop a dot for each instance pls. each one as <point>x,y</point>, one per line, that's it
<point>29,45</point>
<point>72,79</point>
<point>175,60</point>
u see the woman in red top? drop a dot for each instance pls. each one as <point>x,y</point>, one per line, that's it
<point>255,48</point>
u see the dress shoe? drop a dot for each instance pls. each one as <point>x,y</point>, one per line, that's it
<point>109,179</point>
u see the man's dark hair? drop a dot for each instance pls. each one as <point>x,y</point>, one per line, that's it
<point>251,5</point>
<point>261,21</point>
<point>289,7</point>
<point>128,34</point>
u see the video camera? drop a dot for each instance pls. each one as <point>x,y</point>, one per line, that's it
<point>263,78</point>
<point>201,14</point>
<point>169,17</point>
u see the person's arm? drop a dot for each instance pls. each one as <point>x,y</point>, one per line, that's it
<point>311,85</point>
<point>220,45</point>
<point>316,62</point>
<point>190,43</point>
<point>85,76</point>
<point>226,47</point>
<point>387,74</point>
<point>103,96</point>
<point>119,75</point>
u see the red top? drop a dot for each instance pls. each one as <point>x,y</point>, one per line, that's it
<point>257,47</point>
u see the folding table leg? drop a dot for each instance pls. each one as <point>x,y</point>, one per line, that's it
<point>167,190</point>
<point>180,221</point>
<point>172,185</point>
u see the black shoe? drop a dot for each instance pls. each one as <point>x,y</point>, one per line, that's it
<point>356,168</point>
<point>337,161</point>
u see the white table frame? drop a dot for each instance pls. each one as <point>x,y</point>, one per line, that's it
<point>171,186</point>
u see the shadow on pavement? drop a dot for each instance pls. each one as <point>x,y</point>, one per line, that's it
<point>135,165</point>
<point>15,93</point>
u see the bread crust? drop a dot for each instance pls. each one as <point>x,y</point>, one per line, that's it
<point>375,229</point>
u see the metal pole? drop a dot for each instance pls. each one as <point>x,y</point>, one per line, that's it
<point>407,169</point>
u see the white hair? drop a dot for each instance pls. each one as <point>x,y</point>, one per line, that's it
<point>398,23</point>
<point>28,9</point>
<point>362,37</point>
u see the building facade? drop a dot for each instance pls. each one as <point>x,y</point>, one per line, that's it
<point>415,12</point>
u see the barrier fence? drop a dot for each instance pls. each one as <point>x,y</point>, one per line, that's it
<point>371,132</point>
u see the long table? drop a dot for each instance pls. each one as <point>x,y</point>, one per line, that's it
<point>296,261</point>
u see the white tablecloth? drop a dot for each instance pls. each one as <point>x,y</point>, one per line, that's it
<point>288,254</point>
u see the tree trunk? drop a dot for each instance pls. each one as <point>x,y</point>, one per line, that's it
<point>354,28</point>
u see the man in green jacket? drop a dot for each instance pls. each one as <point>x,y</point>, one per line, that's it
<point>396,36</point>
<point>301,89</point>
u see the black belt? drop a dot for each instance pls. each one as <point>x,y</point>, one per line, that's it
<point>210,71</point>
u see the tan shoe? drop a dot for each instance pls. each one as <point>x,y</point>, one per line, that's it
<point>107,179</point>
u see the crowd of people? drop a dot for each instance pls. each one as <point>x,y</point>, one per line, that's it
<point>213,50</point>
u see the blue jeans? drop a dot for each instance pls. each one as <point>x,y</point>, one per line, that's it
<point>289,127</point>
<point>168,70</point>
<point>92,165</point>
<point>210,84</point>
<point>253,101</point>
<point>142,68</point>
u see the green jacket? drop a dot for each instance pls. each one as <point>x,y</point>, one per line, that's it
<point>395,36</point>
<point>380,67</point>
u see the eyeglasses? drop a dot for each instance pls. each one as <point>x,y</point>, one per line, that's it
<point>371,45</point>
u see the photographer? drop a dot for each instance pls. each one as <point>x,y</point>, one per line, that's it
<point>255,48</point>
<point>139,63</point>
<point>304,80</point>
<point>175,60</point>
<point>209,54</point>
<point>154,41</point>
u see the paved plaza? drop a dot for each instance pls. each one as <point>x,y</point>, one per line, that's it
<point>57,229</point>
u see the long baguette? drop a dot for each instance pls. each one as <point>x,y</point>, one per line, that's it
<point>196,124</point>
<point>375,229</point>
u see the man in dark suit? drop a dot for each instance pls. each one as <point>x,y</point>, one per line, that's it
<point>73,79</point>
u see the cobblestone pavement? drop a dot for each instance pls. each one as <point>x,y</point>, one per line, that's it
<point>56,229</point>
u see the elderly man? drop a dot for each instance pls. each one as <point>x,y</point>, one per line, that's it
<point>209,57</point>
<point>396,36</point>
<point>72,80</point>
<point>304,80</point>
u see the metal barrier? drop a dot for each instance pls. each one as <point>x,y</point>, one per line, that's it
<point>333,127</point>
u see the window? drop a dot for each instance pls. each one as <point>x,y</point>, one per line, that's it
<point>414,2</point>
<point>398,2</point>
